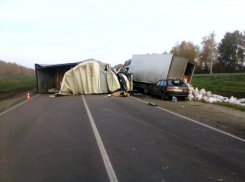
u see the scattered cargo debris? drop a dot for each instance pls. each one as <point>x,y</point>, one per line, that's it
<point>152,104</point>
<point>174,99</point>
<point>120,94</point>
<point>207,96</point>
<point>53,90</point>
<point>136,94</point>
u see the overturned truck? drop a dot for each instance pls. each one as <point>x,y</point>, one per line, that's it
<point>149,68</point>
<point>85,77</point>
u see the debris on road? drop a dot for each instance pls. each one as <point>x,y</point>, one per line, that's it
<point>137,94</point>
<point>120,94</point>
<point>152,104</point>
<point>220,180</point>
<point>207,96</point>
<point>174,99</point>
<point>53,90</point>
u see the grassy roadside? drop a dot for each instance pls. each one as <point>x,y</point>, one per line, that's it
<point>230,84</point>
<point>13,84</point>
<point>236,107</point>
<point>225,84</point>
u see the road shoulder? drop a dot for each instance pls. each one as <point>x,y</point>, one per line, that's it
<point>223,118</point>
<point>16,99</point>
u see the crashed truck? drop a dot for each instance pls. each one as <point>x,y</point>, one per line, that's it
<point>148,69</point>
<point>85,77</point>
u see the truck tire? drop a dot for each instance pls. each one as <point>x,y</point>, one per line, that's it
<point>163,96</point>
<point>183,98</point>
<point>151,93</point>
<point>146,90</point>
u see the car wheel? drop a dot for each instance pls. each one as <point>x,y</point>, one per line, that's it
<point>146,90</point>
<point>151,93</point>
<point>163,96</point>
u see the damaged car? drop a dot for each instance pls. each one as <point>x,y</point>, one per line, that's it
<point>170,87</point>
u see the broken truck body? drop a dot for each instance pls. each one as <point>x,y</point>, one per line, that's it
<point>149,68</point>
<point>50,76</point>
<point>86,77</point>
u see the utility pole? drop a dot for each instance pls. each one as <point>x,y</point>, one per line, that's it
<point>178,48</point>
<point>211,57</point>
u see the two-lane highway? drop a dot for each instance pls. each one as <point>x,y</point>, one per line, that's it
<point>49,139</point>
<point>52,139</point>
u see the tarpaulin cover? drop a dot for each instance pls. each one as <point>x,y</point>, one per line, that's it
<point>112,81</point>
<point>85,78</point>
<point>127,82</point>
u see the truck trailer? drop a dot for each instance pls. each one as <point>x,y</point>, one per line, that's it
<point>148,69</point>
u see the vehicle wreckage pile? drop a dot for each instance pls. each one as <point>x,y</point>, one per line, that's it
<point>207,96</point>
<point>94,77</point>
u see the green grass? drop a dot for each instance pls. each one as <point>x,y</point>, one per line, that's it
<point>230,84</point>
<point>236,107</point>
<point>15,82</point>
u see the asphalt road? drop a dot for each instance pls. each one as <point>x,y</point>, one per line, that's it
<point>52,140</point>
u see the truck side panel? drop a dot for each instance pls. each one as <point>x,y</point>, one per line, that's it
<point>150,68</point>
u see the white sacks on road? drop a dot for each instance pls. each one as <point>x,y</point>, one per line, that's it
<point>90,77</point>
<point>195,94</point>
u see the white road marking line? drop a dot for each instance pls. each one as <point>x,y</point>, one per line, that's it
<point>105,157</point>
<point>197,122</point>
<point>17,105</point>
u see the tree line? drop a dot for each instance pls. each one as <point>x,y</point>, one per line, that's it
<point>228,56</point>
<point>15,69</point>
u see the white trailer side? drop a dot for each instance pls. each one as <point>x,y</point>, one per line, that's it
<point>149,68</point>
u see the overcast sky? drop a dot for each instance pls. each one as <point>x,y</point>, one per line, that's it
<point>111,31</point>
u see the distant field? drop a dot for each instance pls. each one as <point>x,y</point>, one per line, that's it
<point>12,84</point>
<point>229,84</point>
